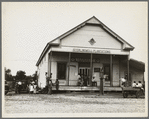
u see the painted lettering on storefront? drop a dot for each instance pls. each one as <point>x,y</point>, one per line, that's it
<point>84,60</point>
<point>91,51</point>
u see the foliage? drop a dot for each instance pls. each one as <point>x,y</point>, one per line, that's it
<point>28,79</point>
<point>20,75</point>
<point>35,76</point>
<point>8,76</point>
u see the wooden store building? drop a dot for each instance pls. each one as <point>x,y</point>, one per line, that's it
<point>90,49</point>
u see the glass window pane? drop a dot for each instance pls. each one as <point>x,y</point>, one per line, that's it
<point>61,70</point>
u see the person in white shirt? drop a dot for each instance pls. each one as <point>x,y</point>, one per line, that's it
<point>93,79</point>
<point>19,86</point>
<point>123,81</point>
<point>31,88</point>
<point>35,89</point>
<point>94,82</point>
<point>19,83</point>
<point>134,84</point>
<point>78,76</point>
<point>139,84</point>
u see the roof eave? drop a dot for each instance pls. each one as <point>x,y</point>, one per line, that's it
<point>73,29</point>
<point>42,54</point>
<point>126,48</point>
<point>45,50</point>
<point>113,33</point>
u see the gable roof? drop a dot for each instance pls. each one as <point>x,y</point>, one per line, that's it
<point>93,21</point>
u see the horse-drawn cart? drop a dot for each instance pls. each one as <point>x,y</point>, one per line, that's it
<point>132,91</point>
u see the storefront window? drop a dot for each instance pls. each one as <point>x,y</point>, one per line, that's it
<point>61,68</point>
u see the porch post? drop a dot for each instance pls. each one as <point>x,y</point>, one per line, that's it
<point>69,66</point>
<point>111,71</point>
<point>119,70</point>
<point>48,64</point>
<point>128,68</point>
<point>49,74</point>
<point>90,80</point>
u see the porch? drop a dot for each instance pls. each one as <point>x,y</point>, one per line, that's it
<point>86,88</point>
<point>68,66</point>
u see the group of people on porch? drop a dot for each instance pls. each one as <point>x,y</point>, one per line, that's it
<point>83,80</point>
<point>134,84</point>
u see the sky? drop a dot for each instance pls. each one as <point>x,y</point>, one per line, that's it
<point>28,26</point>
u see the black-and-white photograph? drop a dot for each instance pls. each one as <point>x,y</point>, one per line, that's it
<point>75,59</point>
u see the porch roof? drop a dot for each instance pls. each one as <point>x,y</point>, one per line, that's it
<point>137,64</point>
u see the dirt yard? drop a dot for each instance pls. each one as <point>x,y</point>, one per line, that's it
<point>73,103</point>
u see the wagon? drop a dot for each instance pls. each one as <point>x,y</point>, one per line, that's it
<point>137,91</point>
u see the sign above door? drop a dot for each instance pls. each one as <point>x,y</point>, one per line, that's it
<point>83,50</point>
<point>84,60</point>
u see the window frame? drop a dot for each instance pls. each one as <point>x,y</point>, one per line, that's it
<point>65,70</point>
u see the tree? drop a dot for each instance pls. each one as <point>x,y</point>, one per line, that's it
<point>8,71</point>
<point>20,75</point>
<point>35,76</point>
<point>8,76</point>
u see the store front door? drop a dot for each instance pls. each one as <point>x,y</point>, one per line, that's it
<point>107,73</point>
<point>84,72</point>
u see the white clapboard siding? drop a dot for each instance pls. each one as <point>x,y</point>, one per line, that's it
<point>82,36</point>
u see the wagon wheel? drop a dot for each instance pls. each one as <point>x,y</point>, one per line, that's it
<point>138,94</point>
<point>125,94</point>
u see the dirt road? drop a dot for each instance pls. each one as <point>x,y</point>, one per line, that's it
<point>73,103</point>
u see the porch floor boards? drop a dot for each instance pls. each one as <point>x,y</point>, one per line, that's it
<point>87,88</point>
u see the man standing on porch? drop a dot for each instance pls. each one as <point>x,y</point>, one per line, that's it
<point>49,85</point>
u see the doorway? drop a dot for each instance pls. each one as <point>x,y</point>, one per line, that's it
<point>85,72</point>
<point>107,73</point>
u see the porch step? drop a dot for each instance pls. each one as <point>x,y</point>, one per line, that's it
<point>86,88</point>
<point>108,88</point>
